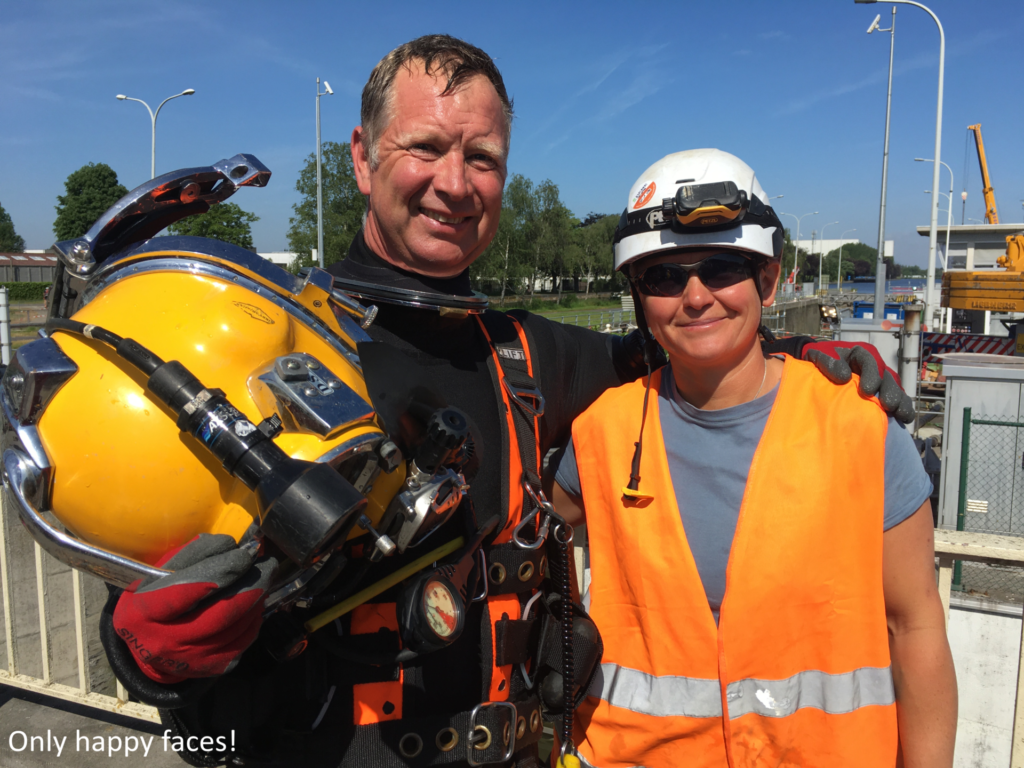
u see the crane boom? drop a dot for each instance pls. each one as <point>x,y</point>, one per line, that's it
<point>991,214</point>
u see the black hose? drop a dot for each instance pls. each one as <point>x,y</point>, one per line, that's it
<point>128,349</point>
<point>122,663</point>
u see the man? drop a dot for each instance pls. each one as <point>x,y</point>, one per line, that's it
<point>430,156</point>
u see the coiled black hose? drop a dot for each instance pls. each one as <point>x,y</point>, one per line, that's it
<point>563,536</point>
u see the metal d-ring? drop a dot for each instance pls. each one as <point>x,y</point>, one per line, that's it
<point>564,534</point>
<point>542,503</point>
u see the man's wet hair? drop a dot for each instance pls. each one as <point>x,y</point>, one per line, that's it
<point>441,55</point>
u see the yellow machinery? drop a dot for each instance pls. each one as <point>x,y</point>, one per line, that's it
<point>989,290</point>
<point>991,214</point>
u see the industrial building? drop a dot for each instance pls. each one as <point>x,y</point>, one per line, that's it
<point>29,267</point>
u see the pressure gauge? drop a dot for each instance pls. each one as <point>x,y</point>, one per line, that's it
<point>431,612</point>
<point>443,612</point>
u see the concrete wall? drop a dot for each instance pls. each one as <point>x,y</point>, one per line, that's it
<point>803,317</point>
<point>986,647</point>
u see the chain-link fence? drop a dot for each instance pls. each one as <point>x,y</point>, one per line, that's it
<point>991,500</point>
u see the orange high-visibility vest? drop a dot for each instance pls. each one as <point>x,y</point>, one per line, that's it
<point>799,662</point>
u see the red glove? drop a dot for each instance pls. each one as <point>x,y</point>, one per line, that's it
<point>839,360</point>
<point>831,348</point>
<point>197,621</point>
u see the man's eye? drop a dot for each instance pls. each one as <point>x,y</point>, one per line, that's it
<point>482,160</point>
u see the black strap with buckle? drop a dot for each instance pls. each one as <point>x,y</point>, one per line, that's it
<point>494,733</point>
<point>523,393</point>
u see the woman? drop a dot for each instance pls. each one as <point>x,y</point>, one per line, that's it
<point>764,582</point>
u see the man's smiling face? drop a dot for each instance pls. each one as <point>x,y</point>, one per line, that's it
<point>435,195</point>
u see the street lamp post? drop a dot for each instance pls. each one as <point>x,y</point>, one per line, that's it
<point>839,266</point>
<point>880,257</point>
<point>929,295</point>
<point>821,250</point>
<point>796,243</point>
<point>319,179</point>
<point>949,216</point>
<point>153,116</point>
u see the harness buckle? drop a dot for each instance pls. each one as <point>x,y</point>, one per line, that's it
<point>521,394</point>
<point>541,503</point>
<point>482,577</point>
<point>472,746</point>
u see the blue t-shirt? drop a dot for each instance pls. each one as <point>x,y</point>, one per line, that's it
<point>709,455</point>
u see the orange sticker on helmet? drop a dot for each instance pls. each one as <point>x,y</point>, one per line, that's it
<point>644,194</point>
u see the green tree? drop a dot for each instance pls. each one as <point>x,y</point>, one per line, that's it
<point>551,236</point>
<point>594,239</point>
<point>858,260</point>
<point>343,206</point>
<point>508,257</point>
<point>91,190</point>
<point>224,221</point>
<point>10,241</point>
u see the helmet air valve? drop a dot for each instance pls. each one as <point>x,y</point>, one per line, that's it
<point>432,490</point>
<point>383,544</point>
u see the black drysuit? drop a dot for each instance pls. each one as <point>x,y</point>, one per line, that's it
<point>272,707</point>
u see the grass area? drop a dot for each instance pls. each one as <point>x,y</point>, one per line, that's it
<point>555,314</point>
<point>570,305</point>
<point>19,314</point>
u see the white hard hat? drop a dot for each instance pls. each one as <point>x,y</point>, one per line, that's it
<point>699,198</point>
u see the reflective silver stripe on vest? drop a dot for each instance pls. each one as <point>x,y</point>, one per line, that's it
<point>669,696</point>
<point>833,694</point>
<point>677,696</point>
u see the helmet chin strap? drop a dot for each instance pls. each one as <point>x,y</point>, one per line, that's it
<point>632,490</point>
<point>763,329</point>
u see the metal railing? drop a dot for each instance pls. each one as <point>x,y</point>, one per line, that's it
<point>51,626</point>
<point>608,320</point>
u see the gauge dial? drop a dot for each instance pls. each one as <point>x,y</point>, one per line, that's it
<point>441,609</point>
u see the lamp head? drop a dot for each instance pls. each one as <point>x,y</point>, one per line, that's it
<point>121,97</point>
<point>327,87</point>
<point>874,24</point>
<point>188,92</point>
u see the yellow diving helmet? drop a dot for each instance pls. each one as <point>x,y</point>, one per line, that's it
<point>185,386</point>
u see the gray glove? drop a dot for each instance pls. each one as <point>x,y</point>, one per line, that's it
<point>858,360</point>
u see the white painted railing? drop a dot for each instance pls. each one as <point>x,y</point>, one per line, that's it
<point>61,646</point>
<point>51,612</point>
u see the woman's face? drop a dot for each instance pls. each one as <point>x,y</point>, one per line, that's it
<point>703,327</point>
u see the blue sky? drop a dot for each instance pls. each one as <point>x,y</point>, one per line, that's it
<point>602,90</point>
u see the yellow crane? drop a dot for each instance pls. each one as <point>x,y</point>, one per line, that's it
<point>991,214</point>
<point>990,289</point>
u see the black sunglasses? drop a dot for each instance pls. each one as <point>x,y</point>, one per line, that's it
<point>716,272</point>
